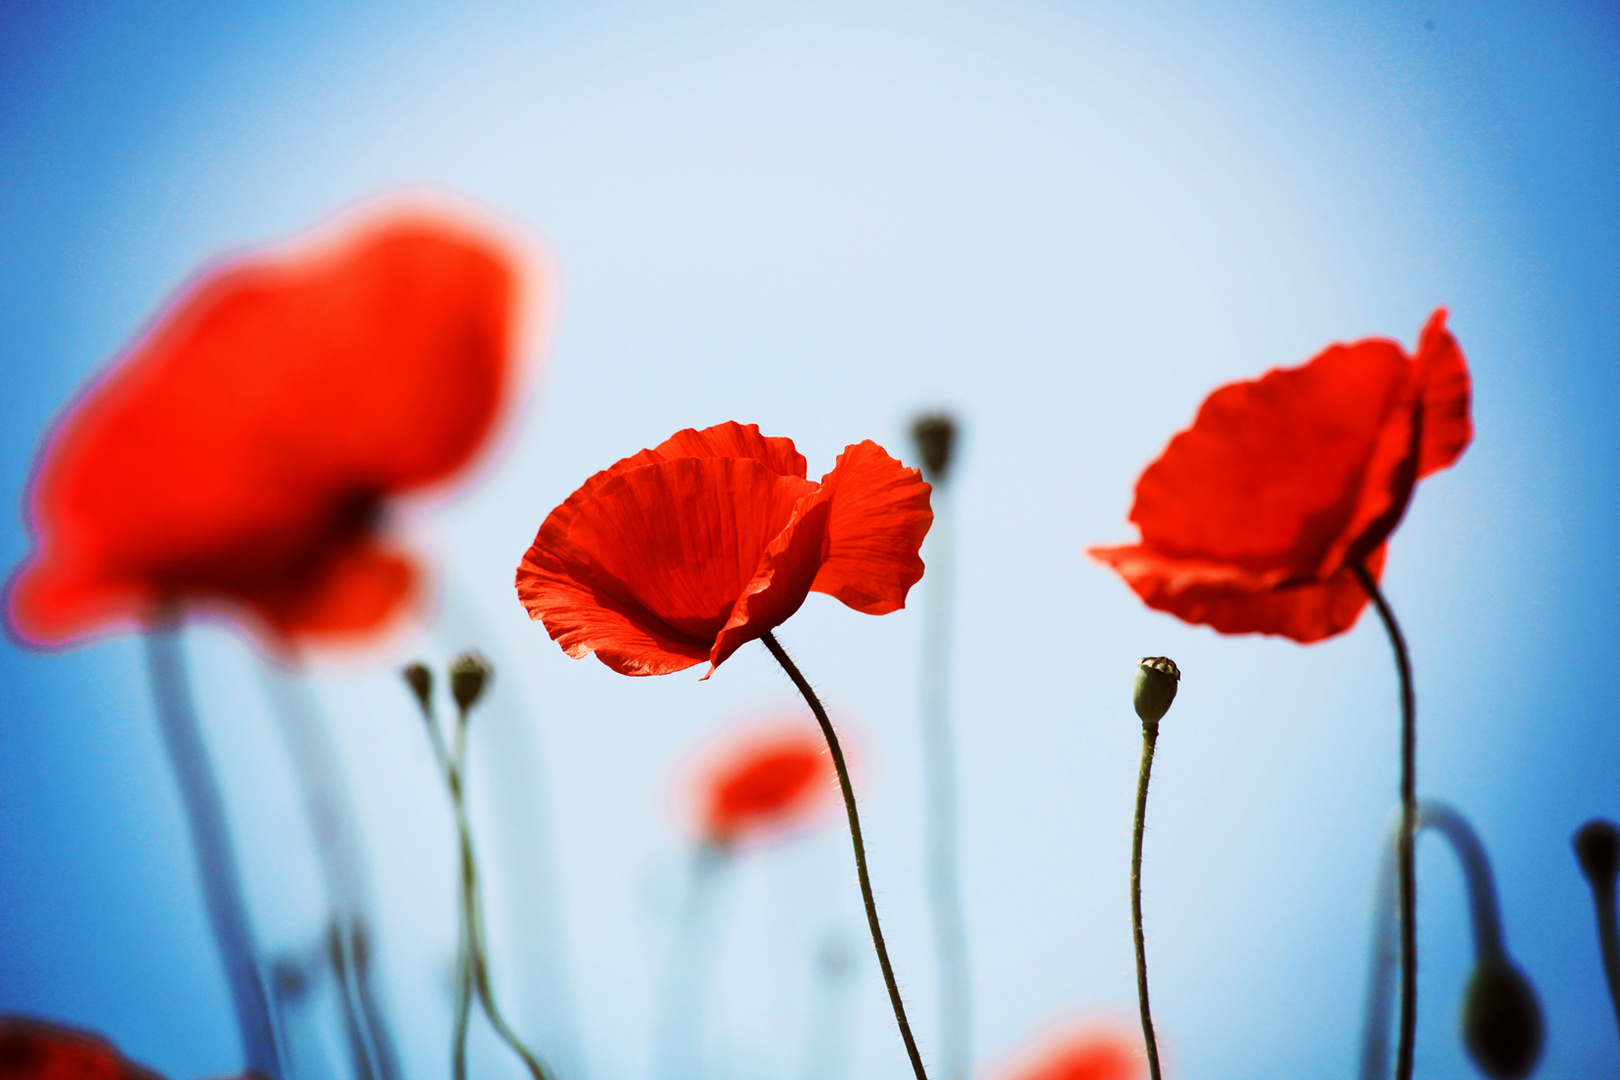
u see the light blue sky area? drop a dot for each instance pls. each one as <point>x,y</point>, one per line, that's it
<point>1068,223</point>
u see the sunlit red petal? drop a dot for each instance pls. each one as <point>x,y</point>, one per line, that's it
<point>880,514</point>
<point>1234,601</point>
<point>673,544</point>
<point>736,441</point>
<point>764,781</point>
<point>274,396</point>
<point>782,581</point>
<point>1093,1050</point>
<point>1447,395</point>
<point>1271,471</point>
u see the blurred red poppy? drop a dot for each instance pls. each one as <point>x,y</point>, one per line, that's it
<point>1252,518</point>
<point>685,552</point>
<point>1090,1050</point>
<point>35,1050</point>
<point>241,452</point>
<point>762,781</point>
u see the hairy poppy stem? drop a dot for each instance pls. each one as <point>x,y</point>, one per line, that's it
<point>848,790</point>
<point>1150,737</point>
<point>211,844</point>
<point>1405,843</point>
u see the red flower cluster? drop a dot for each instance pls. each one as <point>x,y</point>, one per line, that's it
<point>35,1050</point>
<point>1252,518</point>
<point>685,552</point>
<point>766,780</point>
<point>241,452</point>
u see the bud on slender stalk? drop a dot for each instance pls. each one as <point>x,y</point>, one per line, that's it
<point>469,675</point>
<point>1502,1020</point>
<point>419,677</point>
<point>935,436</point>
<point>1156,680</point>
<point>1597,846</point>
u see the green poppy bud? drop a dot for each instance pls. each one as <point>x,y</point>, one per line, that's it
<point>1156,680</point>
<point>469,674</point>
<point>1597,846</point>
<point>419,677</point>
<point>1501,1020</point>
<point>935,436</point>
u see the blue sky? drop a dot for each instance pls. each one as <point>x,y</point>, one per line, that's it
<point>1066,222</point>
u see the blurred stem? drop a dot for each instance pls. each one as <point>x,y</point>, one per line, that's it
<point>680,1035</point>
<point>1150,737</point>
<point>848,790</point>
<point>1608,939</point>
<point>939,778</point>
<point>1405,843</point>
<point>211,844</point>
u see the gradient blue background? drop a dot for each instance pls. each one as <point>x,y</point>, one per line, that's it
<point>1067,222</point>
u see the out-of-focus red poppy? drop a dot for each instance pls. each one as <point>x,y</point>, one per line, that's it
<point>1252,518</point>
<point>34,1050</point>
<point>685,552</point>
<point>240,454</point>
<point>768,779</point>
<point>1089,1050</point>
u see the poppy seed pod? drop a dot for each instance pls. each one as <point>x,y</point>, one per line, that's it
<point>419,677</point>
<point>1156,680</point>
<point>1597,846</point>
<point>1501,1020</point>
<point>935,436</point>
<point>469,674</point>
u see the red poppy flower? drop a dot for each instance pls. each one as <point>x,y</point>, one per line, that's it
<point>764,781</point>
<point>685,552</point>
<point>1092,1050</point>
<point>240,453</point>
<point>35,1050</point>
<point>1252,518</point>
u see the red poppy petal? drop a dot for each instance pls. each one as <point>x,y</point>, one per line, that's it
<point>275,395</point>
<point>1447,395</point>
<point>1234,601</point>
<point>1271,471</point>
<point>35,1050</point>
<point>360,588</point>
<point>672,544</point>
<point>781,583</point>
<point>879,516</point>
<point>733,440</point>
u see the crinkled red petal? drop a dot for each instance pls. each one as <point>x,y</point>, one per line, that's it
<point>879,515</point>
<point>736,441</point>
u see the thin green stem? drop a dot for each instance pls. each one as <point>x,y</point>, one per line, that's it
<point>1150,736</point>
<point>848,790</point>
<point>1405,844</point>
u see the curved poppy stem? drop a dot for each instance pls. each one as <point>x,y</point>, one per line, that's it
<point>211,845</point>
<point>1150,737</point>
<point>848,790</point>
<point>1405,845</point>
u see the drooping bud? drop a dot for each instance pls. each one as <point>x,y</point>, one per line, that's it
<point>1501,1020</point>
<point>419,677</point>
<point>1597,846</point>
<point>469,675</point>
<point>935,436</point>
<point>1156,680</point>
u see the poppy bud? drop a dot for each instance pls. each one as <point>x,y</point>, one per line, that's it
<point>419,677</point>
<point>935,436</point>
<point>1156,680</point>
<point>469,674</point>
<point>1597,846</point>
<point>1501,1020</point>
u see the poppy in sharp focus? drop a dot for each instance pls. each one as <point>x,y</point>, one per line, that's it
<point>1252,518</point>
<point>685,552</point>
<point>765,780</point>
<point>242,451</point>
<point>35,1050</point>
<point>1089,1050</point>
